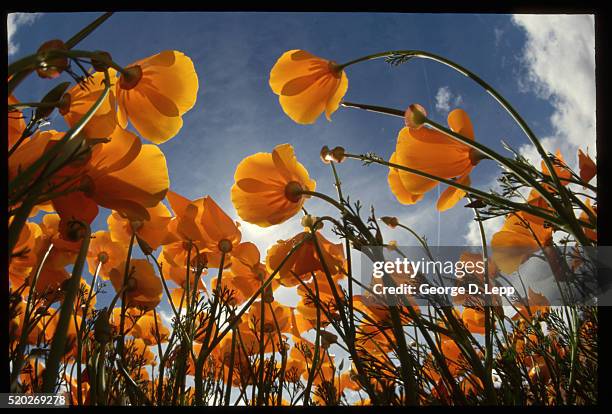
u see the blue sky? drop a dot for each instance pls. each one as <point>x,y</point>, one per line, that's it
<point>525,57</point>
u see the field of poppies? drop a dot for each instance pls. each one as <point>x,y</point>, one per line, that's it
<point>229,341</point>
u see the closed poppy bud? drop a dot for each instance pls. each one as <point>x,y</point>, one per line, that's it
<point>326,155</point>
<point>338,154</point>
<point>415,116</point>
<point>268,294</point>
<point>310,221</point>
<point>51,68</point>
<point>390,221</point>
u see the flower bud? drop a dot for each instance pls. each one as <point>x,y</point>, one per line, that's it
<point>51,68</point>
<point>415,116</point>
<point>308,220</point>
<point>326,155</point>
<point>338,155</point>
<point>268,295</point>
<point>392,222</point>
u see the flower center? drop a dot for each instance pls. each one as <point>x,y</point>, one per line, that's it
<point>293,191</point>
<point>130,77</point>
<point>103,257</point>
<point>225,245</point>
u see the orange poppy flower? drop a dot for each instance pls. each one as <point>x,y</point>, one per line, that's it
<point>131,317</point>
<point>46,206</point>
<point>25,254</point>
<point>421,149</point>
<point>279,320</point>
<point>144,286</point>
<point>471,384</point>
<point>397,188</point>
<point>173,260</point>
<point>154,231</point>
<point>139,350</point>
<point>517,240</point>
<point>307,85</point>
<point>105,252</point>
<point>220,231</point>
<point>305,260</point>
<point>155,92</point>
<point>78,100</point>
<point>266,188</point>
<point>588,168</point>
<point>561,169</point>
<point>16,123</point>
<point>247,272</point>
<point>590,233</point>
<point>187,225</point>
<point>31,150</point>
<point>122,175</point>
<point>474,320</point>
<point>144,329</point>
<point>537,303</point>
<point>31,377</point>
<point>452,353</point>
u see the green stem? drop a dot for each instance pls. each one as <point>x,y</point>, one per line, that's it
<point>487,196</point>
<point>25,326</point>
<point>21,180</point>
<point>572,222</point>
<point>70,43</point>
<point>58,344</point>
<point>207,350</point>
<point>126,276</point>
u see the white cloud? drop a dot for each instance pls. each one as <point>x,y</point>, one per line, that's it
<point>560,59</point>
<point>498,32</point>
<point>445,99</point>
<point>13,22</point>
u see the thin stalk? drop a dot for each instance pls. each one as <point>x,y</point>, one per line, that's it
<point>317,344</point>
<point>126,276</point>
<point>70,43</point>
<point>205,352</point>
<point>481,194</point>
<point>81,332</point>
<point>230,374</point>
<point>492,91</point>
<point>24,211</point>
<point>18,363</point>
<point>59,339</point>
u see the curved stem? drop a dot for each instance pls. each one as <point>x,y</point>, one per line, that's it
<point>17,364</point>
<point>482,194</point>
<point>572,222</point>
